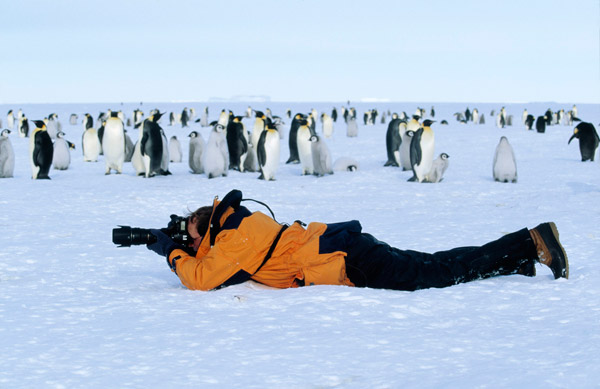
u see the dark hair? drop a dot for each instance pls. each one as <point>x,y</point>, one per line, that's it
<point>202,218</point>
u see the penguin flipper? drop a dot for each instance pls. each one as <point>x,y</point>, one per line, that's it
<point>415,148</point>
<point>260,150</point>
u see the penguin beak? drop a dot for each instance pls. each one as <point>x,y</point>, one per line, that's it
<point>571,138</point>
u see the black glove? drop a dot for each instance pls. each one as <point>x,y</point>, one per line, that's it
<point>163,245</point>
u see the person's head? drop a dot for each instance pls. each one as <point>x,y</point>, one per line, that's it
<point>198,222</point>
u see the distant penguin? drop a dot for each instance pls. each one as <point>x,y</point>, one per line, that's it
<point>237,143</point>
<point>438,168</point>
<point>505,164</point>
<point>267,151</point>
<point>432,112</point>
<point>204,118</point>
<point>7,155</point>
<point>334,114</point>
<point>73,119</point>
<point>129,147</point>
<point>475,116</point>
<point>185,117</point>
<point>113,144</point>
<point>293,139</point>
<point>351,128</point>
<point>10,119</point>
<point>196,149</point>
<point>422,147</point>
<point>529,120</point>
<point>405,150</point>
<point>175,152</point>
<point>304,147</point>
<point>259,126</point>
<point>327,125</point>
<point>524,116</point>
<point>540,124</point>
<point>321,156</point>
<point>151,145</point>
<point>137,160</point>
<point>41,151</point>
<point>345,164</point>
<point>481,119</point>
<point>171,119</point>
<point>393,140</point>
<point>216,155</point>
<point>588,140</point>
<point>90,145</point>
<point>23,127</point>
<point>61,157</point>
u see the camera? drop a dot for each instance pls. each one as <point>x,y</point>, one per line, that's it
<point>126,236</point>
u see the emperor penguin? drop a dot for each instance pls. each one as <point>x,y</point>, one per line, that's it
<point>438,168</point>
<point>334,114</point>
<point>151,145</point>
<point>88,121</point>
<point>267,152</point>
<point>345,164</point>
<point>327,125</point>
<point>113,144</point>
<point>175,152</point>
<point>540,124</point>
<point>505,164</point>
<point>529,120</point>
<point>73,119</point>
<point>61,157</point>
<point>588,140</point>
<point>223,119</point>
<point>524,116</point>
<point>10,119</point>
<point>259,126</point>
<point>304,147</point>
<point>422,147</point>
<point>171,119</point>
<point>196,149</point>
<point>237,143</point>
<point>23,126</point>
<point>351,127</point>
<point>321,156</point>
<point>216,154</point>
<point>405,150</point>
<point>41,151</point>
<point>475,116</point>
<point>293,138</point>
<point>90,145</point>
<point>393,141</point>
<point>185,117</point>
<point>137,161</point>
<point>7,155</point>
<point>413,124</point>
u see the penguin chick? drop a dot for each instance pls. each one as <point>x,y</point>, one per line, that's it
<point>505,164</point>
<point>321,156</point>
<point>438,168</point>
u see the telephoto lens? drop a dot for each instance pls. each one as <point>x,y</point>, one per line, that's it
<point>126,236</point>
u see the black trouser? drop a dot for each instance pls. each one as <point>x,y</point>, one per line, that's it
<point>375,264</point>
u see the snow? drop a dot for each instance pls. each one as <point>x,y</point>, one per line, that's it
<point>76,311</point>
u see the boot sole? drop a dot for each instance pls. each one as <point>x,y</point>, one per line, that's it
<point>564,259</point>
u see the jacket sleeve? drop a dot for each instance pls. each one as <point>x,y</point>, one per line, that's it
<point>229,255</point>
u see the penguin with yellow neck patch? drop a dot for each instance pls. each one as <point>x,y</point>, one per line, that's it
<point>421,152</point>
<point>268,151</point>
<point>41,151</point>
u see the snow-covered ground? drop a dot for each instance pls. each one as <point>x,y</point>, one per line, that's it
<point>76,311</point>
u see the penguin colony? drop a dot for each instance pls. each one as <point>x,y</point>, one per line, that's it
<point>410,141</point>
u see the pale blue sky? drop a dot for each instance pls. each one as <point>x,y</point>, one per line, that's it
<point>434,51</point>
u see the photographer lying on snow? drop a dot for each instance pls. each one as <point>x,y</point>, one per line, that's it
<point>230,245</point>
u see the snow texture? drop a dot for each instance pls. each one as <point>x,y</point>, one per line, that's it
<point>76,311</point>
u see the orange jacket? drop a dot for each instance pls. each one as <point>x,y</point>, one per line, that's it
<point>241,246</point>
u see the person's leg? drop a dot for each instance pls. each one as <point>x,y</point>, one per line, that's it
<point>375,264</point>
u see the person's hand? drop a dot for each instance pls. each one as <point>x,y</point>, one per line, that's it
<point>163,245</point>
